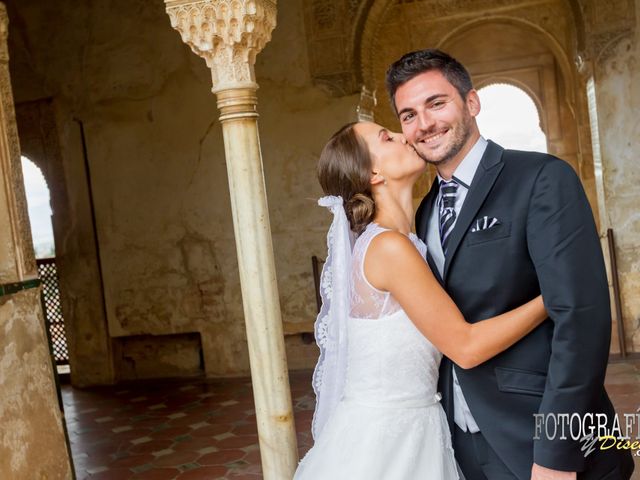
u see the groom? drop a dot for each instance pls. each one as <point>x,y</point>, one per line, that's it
<point>503,226</point>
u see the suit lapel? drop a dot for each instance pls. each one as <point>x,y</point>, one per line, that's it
<point>486,175</point>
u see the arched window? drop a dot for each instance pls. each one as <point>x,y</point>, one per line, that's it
<point>509,117</point>
<point>39,205</point>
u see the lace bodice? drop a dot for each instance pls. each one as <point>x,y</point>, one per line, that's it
<point>366,300</point>
<point>389,360</point>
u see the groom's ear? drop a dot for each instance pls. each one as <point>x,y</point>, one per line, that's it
<point>473,102</point>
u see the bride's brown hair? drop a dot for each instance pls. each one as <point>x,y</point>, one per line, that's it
<point>344,169</point>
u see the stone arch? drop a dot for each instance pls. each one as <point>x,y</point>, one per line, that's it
<point>548,39</point>
<point>372,13</point>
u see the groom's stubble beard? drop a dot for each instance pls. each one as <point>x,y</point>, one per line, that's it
<point>461,134</point>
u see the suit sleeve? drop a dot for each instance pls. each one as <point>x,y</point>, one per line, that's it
<point>564,246</point>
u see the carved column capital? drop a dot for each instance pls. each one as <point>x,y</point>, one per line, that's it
<point>228,34</point>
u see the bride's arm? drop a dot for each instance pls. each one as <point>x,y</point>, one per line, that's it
<point>393,264</point>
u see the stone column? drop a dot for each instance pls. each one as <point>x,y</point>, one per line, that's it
<point>32,441</point>
<point>229,35</point>
<point>366,107</point>
<point>608,63</point>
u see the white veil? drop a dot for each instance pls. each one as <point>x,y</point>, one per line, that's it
<point>331,323</point>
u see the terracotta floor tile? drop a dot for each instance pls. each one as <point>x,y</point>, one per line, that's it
<point>190,419</point>
<point>249,429</point>
<point>132,461</point>
<point>212,430</point>
<point>253,457</point>
<point>222,457</point>
<point>152,446</point>
<point>170,433</point>
<point>157,474</point>
<point>130,434</point>
<point>150,423</point>
<point>112,474</point>
<point>204,473</point>
<point>176,459</point>
<point>238,441</point>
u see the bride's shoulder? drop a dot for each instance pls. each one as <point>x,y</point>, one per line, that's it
<point>390,255</point>
<point>390,244</point>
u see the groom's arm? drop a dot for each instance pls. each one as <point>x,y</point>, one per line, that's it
<point>564,246</point>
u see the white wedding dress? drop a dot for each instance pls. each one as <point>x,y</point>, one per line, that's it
<point>389,423</point>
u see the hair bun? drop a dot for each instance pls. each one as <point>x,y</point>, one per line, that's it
<point>360,210</point>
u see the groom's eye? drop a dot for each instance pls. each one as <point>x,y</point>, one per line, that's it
<point>407,117</point>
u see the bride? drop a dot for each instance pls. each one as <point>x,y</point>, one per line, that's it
<point>386,321</point>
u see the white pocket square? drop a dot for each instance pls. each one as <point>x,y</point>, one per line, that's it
<point>485,223</point>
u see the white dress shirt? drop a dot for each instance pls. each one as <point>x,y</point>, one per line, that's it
<point>463,175</point>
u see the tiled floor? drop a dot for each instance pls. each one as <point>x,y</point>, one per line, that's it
<point>206,429</point>
<point>164,430</point>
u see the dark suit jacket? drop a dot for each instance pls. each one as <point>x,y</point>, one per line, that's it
<point>546,243</point>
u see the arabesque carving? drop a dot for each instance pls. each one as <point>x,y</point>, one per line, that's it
<point>228,34</point>
<point>605,24</point>
<point>328,28</point>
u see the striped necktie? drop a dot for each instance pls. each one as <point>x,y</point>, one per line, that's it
<point>448,192</point>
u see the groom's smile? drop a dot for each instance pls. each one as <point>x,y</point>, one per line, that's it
<point>431,140</point>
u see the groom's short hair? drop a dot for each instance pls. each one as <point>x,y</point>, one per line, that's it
<point>414,63</point>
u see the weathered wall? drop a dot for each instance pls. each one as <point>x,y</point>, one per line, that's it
<point>617,89</point>
<point>31,438</point>
<point>159,180</point>
<point>48,140</point>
